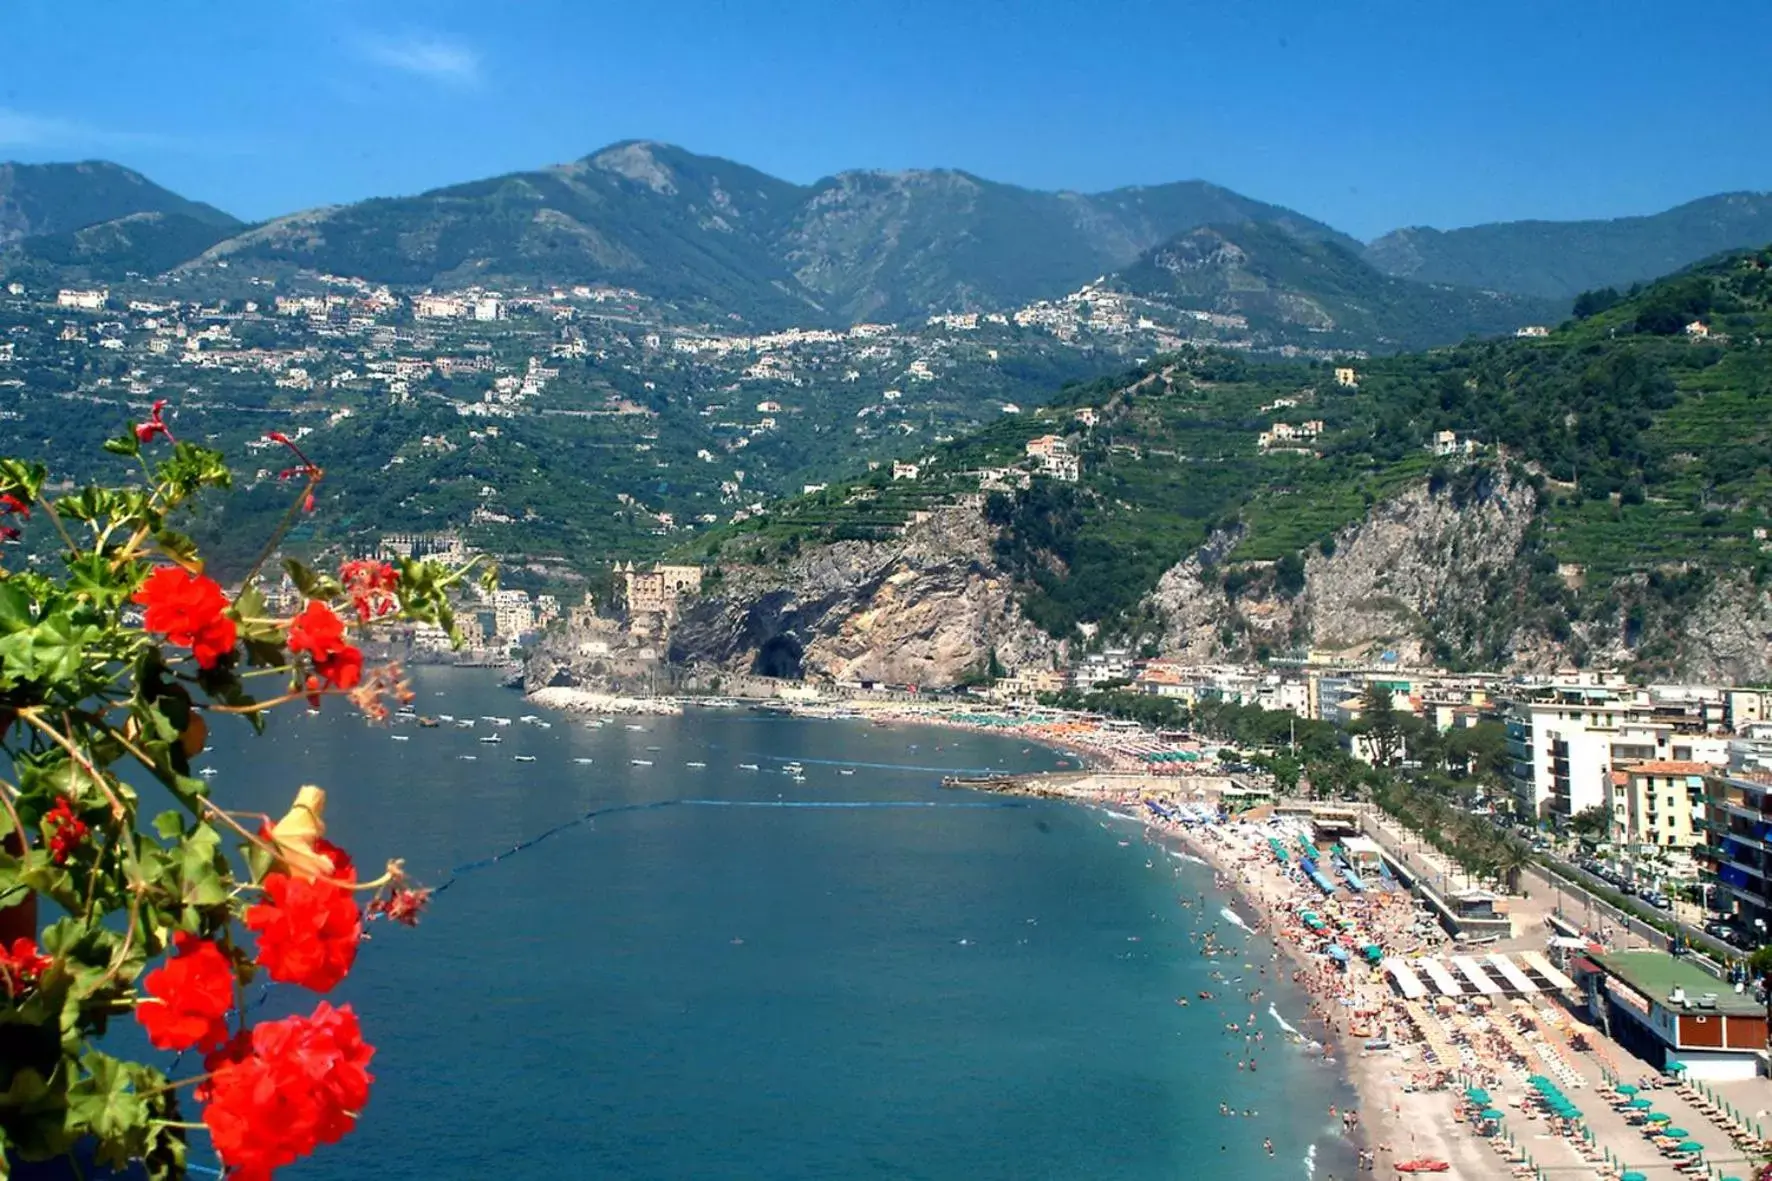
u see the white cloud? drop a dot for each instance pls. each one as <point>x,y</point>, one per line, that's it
<point>23,129</point>
<point>427,56</point>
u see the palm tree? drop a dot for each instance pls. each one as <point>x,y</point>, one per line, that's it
<point>1516,858</point>
<point>1760,964</point>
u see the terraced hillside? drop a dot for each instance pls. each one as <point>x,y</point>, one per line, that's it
<point>1620,469</point>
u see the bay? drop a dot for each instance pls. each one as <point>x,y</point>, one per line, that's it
<point>723,987</point>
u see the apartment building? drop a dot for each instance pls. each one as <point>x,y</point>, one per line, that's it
<point>1737,857</point>
<point>1657,803</point>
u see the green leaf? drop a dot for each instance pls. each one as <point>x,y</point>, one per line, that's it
<point>125,443</point>
<point>105,1103</point>
<point>91,575</point>
<point>205,883</point>
<point>16,611</point>
<point>170,825</point>
<point>304,579</point>
<point>21,478</point>
<point>177,546</point>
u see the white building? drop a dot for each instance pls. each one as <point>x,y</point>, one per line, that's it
<point>488,307</point>
<point>86,301</point>
<point>1566,741</point>
<point>513,613</point>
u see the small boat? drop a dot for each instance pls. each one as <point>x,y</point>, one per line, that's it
<point>845,770</point>
<point>1421,1166</point>
<point>468,758</point>
<point>401,737</point>
<point>450,718</point>
<point>526,758</point>
<point>490,738</point>
<point>634,726</point>
<point>655,748</point>
<point>427,723</point>
<point>793,768</point>
<point>641,762</point>
<point>545,725</point>
<point>530,719</point>
<point>465,724</point>
<point>209,772</point>
<point>747,766</point>
<point>582,762</point>
<point>695,764</point>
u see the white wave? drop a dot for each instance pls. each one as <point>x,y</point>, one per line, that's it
<point>1121,815</point>
<point>1180,856</point>
<point>1281,1021</point>
<point>1235,919</point>
<point>1310,1161</point>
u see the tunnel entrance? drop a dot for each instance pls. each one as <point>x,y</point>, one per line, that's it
<point>780,657</point>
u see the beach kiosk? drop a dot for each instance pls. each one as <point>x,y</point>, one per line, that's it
<point>1673,1014</point>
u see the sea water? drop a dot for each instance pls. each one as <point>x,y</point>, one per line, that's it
<point>730,985</point>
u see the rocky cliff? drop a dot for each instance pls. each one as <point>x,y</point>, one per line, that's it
<point>1436,574</point>
<point>927,608</point>
<point>1416,570</point>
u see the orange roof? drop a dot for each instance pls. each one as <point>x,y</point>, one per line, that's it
<point>1668,767</point>
<point>1620,778</point>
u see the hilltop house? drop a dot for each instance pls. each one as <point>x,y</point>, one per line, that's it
<point>1286,433</point>
<point>1346,378</point>
<point>1055,457</point>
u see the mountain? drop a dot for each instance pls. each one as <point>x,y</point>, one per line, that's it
<point>1598,495</point>
<point>677,226</point>
<point>1287,286</point>
<point>895,245</point>
<point>38,199</point>
<point>139,243</point>
<point>1561,259</point>
<point>711,233</point>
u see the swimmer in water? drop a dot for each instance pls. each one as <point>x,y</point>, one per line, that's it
<point>1269,1145</point>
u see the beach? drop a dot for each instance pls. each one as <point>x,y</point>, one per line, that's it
<point>1410,1065</point>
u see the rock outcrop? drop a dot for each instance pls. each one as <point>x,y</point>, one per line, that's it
<point>1417,569</point>
<point>926,608</point>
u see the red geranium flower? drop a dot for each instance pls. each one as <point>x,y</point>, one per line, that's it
<point>66,831</point>
<point>145,432</point>
<point>403,905</point>
<point>370,585</point>
<point>292,1085</point>
<point>12,504</point>
<point>187,609</point>
<point>308,931</point>
<point>21,966</point>
<point>320,633</point>
<point>188,997</point>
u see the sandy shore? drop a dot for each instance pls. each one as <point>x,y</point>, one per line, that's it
<point>1405,1109</point>
<point>585,701</point>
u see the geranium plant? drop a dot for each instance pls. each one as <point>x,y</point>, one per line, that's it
<point>114,659</point>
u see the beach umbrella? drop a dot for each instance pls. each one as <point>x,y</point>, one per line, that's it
<point>1627,1089</point>
<point>1633,1175</point>
<point>1660,1117</point>
<point>1493,1113</point>
<point>1676,1133</point>
<point>1477,1095</point>
<point>1690,1146</point>
<point>1638,1104</point>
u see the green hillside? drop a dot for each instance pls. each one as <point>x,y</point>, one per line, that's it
<point>1293,288</point>
<point>40,199</point>
<point>139,243</point>
<point>1558,259</point>
<point>1653,449</point>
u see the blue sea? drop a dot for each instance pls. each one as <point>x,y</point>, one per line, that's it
<point>936,985</point>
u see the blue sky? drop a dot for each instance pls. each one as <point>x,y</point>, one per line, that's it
<point>1369,114</point>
